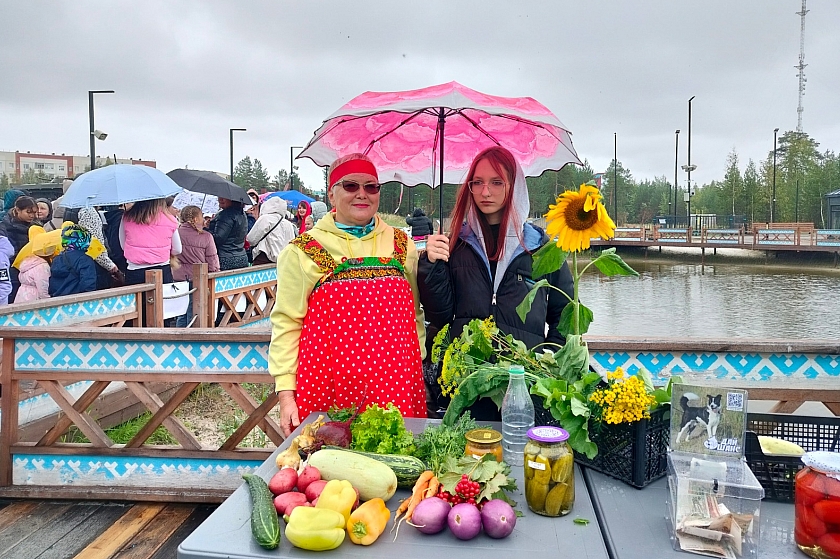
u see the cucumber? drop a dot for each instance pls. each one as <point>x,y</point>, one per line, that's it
<point>406,468</point>
<point>265,525</point>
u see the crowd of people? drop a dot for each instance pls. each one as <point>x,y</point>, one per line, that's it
<point>88,249</point>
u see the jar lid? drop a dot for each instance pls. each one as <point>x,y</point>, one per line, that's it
<point>823,461</point>
<point>483,436</point>
<point>547,434</point>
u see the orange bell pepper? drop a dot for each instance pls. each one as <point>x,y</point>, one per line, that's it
<point>368,521</point>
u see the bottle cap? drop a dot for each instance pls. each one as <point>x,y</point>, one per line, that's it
<point>516,370</point>
<point>483,436</point>
<point>823,461</point>
<point>547,434</point>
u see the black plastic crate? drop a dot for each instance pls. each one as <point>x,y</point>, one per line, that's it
<point>777,473</point>
<point>635,453</point>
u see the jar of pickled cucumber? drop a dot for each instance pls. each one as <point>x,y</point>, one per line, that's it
<point>817,511</point>
<point>549,471</point>
<point>483,441</point>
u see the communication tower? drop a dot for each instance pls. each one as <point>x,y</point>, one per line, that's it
<point>801,65</point>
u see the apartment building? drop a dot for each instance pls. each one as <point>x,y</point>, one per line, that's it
<point>16,163</point>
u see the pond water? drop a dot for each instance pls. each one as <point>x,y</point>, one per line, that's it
<point>674,299</point>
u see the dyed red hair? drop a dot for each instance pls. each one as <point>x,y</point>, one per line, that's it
<point>504,164</point>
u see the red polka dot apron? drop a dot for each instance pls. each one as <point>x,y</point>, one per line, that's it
<point>359,335</point>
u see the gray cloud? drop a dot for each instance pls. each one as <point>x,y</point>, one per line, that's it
<point>185,72</point>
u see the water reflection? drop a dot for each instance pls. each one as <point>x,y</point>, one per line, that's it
<point>715,301</point>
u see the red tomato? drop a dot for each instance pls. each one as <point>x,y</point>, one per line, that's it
<point>809,487</point>
<point>831,487</point>
<point>830,544</point>
<point>828,511</point>
<point>809,522</point>
<point>803,539</point>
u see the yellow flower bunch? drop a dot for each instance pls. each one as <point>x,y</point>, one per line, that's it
<point>624,400</point>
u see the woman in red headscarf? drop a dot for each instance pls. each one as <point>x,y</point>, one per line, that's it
<point>303,211</point>
<point>347,324</point>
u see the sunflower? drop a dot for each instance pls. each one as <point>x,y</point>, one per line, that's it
<point>578,217</point>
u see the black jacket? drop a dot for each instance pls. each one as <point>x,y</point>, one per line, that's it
<point>421,225</point>
<point>460,290</point>
<point>229,228</point>
<point>16,231</point>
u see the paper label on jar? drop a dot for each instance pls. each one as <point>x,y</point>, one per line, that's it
<point>476,456</point>
<point>536,465</point>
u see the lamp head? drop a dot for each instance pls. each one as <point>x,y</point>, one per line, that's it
<point>99,134</point>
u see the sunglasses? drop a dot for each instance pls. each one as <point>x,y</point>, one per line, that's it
<point>353,186</point>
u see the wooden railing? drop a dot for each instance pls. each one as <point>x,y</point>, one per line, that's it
<point>234,298</point>
<point>40,465</point>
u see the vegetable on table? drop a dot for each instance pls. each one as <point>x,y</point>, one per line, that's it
<point>367,522</point>
<point>265,527</point>
<point>406,468</point>
<point>464,521</point>
<point>437,442</point>
<point>498,518</point>
<point>338,495</point>
<point>289,458</point>
<point>430,515</point>
<point>285,503</point>
<point>371,477</point>
<point>283,481</point>
<point>382,430</point>
<point>418,493</point>
<point>315,529</point>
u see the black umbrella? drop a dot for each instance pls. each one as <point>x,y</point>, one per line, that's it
<point>208,182</point>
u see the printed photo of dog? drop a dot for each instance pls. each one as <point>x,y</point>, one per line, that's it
<point>699,418</point>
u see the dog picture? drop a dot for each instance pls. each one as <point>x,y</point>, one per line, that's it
<point>695,419</point>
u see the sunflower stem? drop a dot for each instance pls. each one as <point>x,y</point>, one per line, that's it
<point>576,302</point>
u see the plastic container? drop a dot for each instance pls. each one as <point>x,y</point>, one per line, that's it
<point>714,493</point>
<point>817,512</point>
<point>484,441</point>
<point>517,417</point>
<point>549,472</point>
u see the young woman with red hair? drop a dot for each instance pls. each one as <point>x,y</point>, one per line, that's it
<point>483,268</point>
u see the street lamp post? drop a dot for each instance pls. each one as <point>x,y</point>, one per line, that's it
<point>292,165</point>
<point>92,128</point>
<point>232,130</point>
<point>615,176</point>
<point>676,179</point>
<point>773,201</point>
<point>690,166</point>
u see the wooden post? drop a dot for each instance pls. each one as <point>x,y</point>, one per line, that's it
<point>154,300</point>
<point>9,405</point>
<point>201,305</point>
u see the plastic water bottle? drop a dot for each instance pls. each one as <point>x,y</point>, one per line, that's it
<point>517,417</point>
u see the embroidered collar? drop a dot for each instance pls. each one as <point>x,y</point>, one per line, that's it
<point>357,231</point>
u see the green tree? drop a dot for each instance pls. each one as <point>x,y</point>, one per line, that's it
<point>243,172</point>
<point>732,187</point>
<point>798,181</point>
<point>755,197</point>
<point>625,185</point>
<point>259,176</point>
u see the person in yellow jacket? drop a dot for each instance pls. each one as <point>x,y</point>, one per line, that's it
<point>347,325</point>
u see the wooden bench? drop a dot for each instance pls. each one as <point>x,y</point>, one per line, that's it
<point>801,227</point>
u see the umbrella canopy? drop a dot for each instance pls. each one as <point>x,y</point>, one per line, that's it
<point>415,137</point>
<point>294,197</point>
<point>208,182</point>
<point>208,203</point>
<point>118,184</point>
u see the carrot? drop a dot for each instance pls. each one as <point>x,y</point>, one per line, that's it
<point>417,495</point>
<point>434,487</point>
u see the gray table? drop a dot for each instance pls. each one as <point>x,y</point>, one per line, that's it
<point>635,526</point>
<point>227,532</point>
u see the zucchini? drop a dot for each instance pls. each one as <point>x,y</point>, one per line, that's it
<point>265,525</point>
<point>406,468</point>
<point>371,477</point>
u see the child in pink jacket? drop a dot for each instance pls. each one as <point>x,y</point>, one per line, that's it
<point>34,279</point>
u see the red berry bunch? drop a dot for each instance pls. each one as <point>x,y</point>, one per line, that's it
<point>467,490</point>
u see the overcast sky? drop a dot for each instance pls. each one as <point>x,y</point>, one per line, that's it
<point>185,72</point>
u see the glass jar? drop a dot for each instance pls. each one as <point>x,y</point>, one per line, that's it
<point>817,511</point>
<point>549,472</point>
<point>484,441</point>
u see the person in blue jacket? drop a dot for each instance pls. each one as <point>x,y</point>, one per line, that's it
<point>73,271</point>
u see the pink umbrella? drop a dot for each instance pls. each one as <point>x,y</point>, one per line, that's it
<point>405,133</point>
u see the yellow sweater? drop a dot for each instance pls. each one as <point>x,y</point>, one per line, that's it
<point>297,275</point>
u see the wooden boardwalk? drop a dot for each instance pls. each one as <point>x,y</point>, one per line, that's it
<point>95,530</point>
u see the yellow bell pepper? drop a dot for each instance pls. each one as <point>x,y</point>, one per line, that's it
<point>368,521</point>
<point>315,529</point>
<point>338,495</point>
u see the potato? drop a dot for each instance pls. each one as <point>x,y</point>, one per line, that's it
<point>283,481</point>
